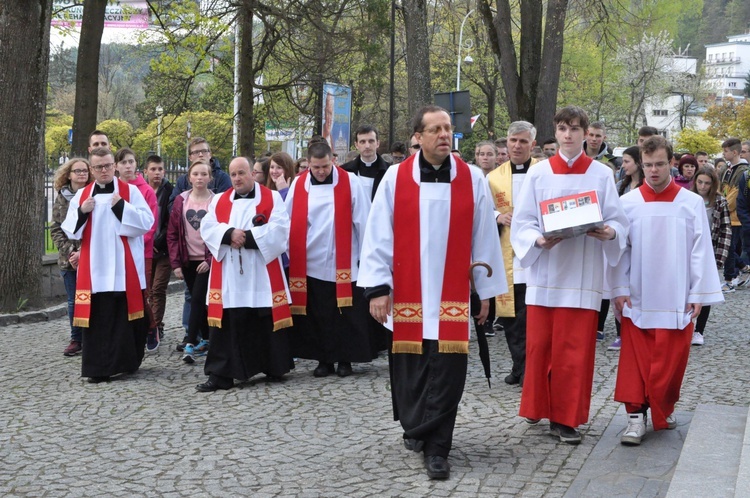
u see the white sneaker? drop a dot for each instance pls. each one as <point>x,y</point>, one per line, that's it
<point>697,339</point>
<point>671,421</point>
<point>635,431</point>
<point>727,287</point>
<point>735,282</point>
<point>742,280</point>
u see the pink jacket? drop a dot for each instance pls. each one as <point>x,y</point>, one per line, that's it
<point>150,196</point>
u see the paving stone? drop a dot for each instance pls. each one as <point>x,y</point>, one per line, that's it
<point>152,434</point>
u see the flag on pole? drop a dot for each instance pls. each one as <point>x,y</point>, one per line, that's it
<point>474,120</point>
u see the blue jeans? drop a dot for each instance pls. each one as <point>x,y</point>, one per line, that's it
<point>734,261</point>
<point>186,309</point>
<point>69,279</point>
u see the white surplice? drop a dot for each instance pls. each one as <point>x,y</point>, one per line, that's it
<point>669,261</point>
<point>376,267</point>
<point>107,260</point>
<point>252,287</point>
<point>571,274</point>
<point>321,230</point>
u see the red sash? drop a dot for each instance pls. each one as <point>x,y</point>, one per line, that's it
<point>282,317</point>
<point>453,333</point>
<point>342,219</point>
<point>82,311</point>
<point>560,166</point>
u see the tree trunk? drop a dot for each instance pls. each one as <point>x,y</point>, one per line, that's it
<point>247,80</point>
<point>531,93</point>
<point>549,74</point>
<point>87,75</point>
<point>24,60</point>
<point>417,55</point>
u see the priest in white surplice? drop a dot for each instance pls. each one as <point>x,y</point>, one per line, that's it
<point>328,208</point>
<point>431,217</point>
<point>564,280</point>
<point>246,230</point>
<point>667,273</point>
<point>110,217</point>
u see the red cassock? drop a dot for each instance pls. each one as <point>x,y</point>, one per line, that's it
<point>652,365</point>
<point>559,364</point>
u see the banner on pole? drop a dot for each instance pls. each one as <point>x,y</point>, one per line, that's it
<point>131,14</point>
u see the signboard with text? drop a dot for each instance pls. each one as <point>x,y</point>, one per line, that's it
<point>118,14</point>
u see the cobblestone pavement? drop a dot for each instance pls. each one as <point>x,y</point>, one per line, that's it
<point>152,434</point>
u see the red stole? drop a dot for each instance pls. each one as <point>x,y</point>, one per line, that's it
<point>82,312</point>
<point>453,333</point>
<point>666,195</point>
<point>342,219</point>
<point>560,166</point>
<point>282,317</point>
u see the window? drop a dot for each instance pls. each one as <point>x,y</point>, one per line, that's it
<point>660,112</point>
<point>732,84</point>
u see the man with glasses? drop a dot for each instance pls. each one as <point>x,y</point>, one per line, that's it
<point>199,149</point>
<point>414,145</point>
<point>660,286</point>
<point>110,218</point>
<point>431,217</point>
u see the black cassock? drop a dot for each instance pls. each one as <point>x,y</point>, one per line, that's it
<point>246,345</point>
<point>112,344</point>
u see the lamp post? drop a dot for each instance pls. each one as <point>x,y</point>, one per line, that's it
<point>159,114</point>
<point>460,44</point>
<point>458,65</point>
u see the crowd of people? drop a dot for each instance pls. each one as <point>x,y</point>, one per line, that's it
<point>340,263</point>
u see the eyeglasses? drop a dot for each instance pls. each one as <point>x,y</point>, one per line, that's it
<point>101,167</point>
<point>79,171</point>
<point>199,152</point>
<point>416,146</point>
<point>661,164</point>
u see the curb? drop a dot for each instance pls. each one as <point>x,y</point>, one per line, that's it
<point>60,310</point>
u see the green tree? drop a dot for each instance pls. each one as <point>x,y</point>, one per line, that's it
<point>119,132</point>
<point>695,140</point>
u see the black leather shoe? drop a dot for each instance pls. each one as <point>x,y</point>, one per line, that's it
<point>512,379</point>
<point>414,445</point>
<point>323,370</point>
<point>437,467</point>
<point>210,386</point>
<point>566,434</point>
<point>344,369</point>
<point>98,380</point>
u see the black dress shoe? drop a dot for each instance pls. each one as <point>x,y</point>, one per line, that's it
<point>344,369</point>
<point>437,467</point>
<point>323,370</point>
<point>210,386</point>
<point>569,435</point>
<point>512,379</point>
<point>414,445</point>
<point>98,380</point>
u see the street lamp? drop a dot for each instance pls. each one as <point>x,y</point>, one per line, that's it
<point>159,114</point>
<point>460,44</point>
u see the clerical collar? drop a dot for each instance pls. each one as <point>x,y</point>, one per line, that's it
<point>520,167</point>
<point>107,188</point>
<point>328,180</point>
<point>249,195</point>
<point>432,174</point>
<point>571,161</point>
<point>366,164</point>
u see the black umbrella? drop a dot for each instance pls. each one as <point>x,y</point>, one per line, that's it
<point>476,306</point>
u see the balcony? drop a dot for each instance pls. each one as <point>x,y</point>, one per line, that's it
<point>723,60</point>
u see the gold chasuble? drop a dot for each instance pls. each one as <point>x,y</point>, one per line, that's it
<point>501,187</point>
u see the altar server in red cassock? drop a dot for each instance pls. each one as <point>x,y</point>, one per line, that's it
<point>431,218</point>
<point>564,280</point>
<point>667,273</point>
